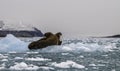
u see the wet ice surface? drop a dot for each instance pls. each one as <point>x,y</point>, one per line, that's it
<point>88,54</point>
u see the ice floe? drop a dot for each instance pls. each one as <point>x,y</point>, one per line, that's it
<point>10,44</point>
<point>2,56</point>
<point>68,64</point>
<point>81,56</point>
<point>32,52</point>
<point>92,65</point>
<point>23,66</point>
<point>64,53</point>
<point>4,60</point>
<point>37,59</point>
<point>113,70</point>
<point>12,52</point>
<point>80,47</point>
<point>2,66</point>
<point>17,58</point>
<point>46,68</point>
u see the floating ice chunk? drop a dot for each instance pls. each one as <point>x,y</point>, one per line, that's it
<point>100,65</point>
<point>105,55</point>
<point>19,66</point>
<point>109,47</point>
<point>113,70</point>
<point>10,44</point>
<point>2,66</point>
<point>18,58</point>
<point>67,64</point>
<point>83,48</point>
<point>23,66</point>
<point>4,60</point>
<point>2,56</point>
<point>38,59</point>
<point>65,48</point>
<point>81,56</point>
<point>80,47</point>
<point>12,52</point>
<point>46,68</point>
<point>64,53</point>
<point>32,52</point>
<point>92,65</point>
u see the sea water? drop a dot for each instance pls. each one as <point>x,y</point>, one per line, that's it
<point>81,54</point>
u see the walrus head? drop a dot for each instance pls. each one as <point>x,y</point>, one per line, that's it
<point>48,34</point>
<point>58,34</point>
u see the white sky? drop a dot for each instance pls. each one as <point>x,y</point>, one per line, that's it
<point>71,17</point>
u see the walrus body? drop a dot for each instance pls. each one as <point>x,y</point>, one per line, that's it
<point>48,40</point>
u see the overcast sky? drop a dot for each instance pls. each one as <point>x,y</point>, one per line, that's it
<point>71,17</point>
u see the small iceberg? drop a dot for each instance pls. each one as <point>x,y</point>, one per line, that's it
<point>68,64</point>
<point>12,44</point>
<point>23,66</point>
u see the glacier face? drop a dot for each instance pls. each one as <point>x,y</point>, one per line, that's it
<point>15,26</point>
<point>19,30</point>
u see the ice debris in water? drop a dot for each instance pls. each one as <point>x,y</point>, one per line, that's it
<point>80,47</point>
<point>92,65</point>
<point>2,66</point>
<point>46,68</point>
<point>17,58</point>
<point>64,53</point>
<point>113,70</point>
<point>32,52</point>
<point>23,66</point>
<point>4,60</point>
<point>37,59</point>
<point>2,56</point>
<point>11,43</point>
<point>68,64</point>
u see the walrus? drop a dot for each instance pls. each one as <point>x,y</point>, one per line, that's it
<point>48,40</point>
<point>46,35</point>
<point>58,35</point>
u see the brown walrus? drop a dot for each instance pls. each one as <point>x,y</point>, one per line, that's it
<point>48,40</point>
<point>58,35</point>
